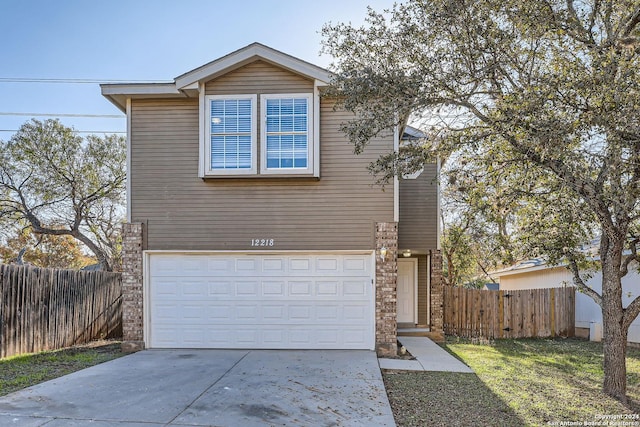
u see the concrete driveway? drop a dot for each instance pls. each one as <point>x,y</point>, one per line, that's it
<point>211,388</point>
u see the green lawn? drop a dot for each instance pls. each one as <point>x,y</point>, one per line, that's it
<point>26,370</point>
<point>528,382</point>
<point>547,380</point>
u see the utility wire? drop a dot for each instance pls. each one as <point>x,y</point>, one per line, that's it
<point>68,81</point>
<point>107,116</point>
<point>76,131</point>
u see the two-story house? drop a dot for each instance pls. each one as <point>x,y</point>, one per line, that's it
<point>251,223</point>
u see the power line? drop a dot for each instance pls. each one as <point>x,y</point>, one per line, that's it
<point>107,116</point>
<point>68,81</point>
<point>76,131</point>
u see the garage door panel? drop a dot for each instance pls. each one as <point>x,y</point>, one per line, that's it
<point>231,314</point>
<point>195,336</point>
<point>217,313</point>
<point>195,288</point>
<point>246,264</point>
<point>218,337</point>
<point>355,314</point>
<point>355,265</point>
<point>357,288</point>
<point>261,301</point>
<point>273,337</point>
<point>256,314</point>
<point>219,264</point>
<point>218,288</point>
<point>274,289</point>
<point>297,265</point>
<point>273,313</point>
<point>328,265</point>
<point>166,313</point>
<point>246,288</point>
<point>327,288</point>
<point>166,288</point>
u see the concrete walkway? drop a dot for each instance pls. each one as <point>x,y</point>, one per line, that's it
<point>429,357</point>
<point>160,388</point>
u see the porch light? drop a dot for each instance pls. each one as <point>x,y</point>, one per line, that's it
<point>406,253</point>
<point>383,253</point>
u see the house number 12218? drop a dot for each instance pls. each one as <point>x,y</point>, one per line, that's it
<point>262,242</point>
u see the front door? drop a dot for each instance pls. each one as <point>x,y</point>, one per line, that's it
<point>406,290</point>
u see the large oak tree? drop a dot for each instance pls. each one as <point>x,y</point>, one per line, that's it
<point>545,92</point>
<point>50,175</point>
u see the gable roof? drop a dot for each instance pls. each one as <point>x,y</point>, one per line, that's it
<point>187,85</point>
<point>249,54</point>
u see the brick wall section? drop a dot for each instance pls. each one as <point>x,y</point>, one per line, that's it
<point>132,310</point>
<point>386,279</point>
<point>437,293</point>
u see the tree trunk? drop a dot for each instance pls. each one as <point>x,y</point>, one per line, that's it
<point>615,334</point>
<point>101,256</point>
<point>615,352</point>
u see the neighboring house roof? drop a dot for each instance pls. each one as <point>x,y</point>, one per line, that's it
<point>492,286</point>
<point>187,84</point>
<point>590,249</point>
<point>533,264</point>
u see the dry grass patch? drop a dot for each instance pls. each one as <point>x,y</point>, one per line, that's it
<point>444,399</point>
<point>23,371</point>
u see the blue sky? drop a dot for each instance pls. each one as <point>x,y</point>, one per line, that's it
<point>140,40</point>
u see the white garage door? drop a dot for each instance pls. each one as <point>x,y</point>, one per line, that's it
<point>260,301</point>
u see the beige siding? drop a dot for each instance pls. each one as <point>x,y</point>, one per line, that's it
<point>418,225</point>
<point>184,212</point>
<point>555,277</point>
<point>259,77</point>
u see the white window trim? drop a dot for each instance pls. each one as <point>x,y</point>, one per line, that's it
<point>311,137</point>
<point>206,161</point>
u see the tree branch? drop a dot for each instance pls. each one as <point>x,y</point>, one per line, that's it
<point>632,22</point>
<point>633,246</point>
<point>577,280</point>
<point>630,313</point>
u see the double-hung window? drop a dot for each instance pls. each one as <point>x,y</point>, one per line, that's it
<point>231,146</point>
<point>231,134</point>
<point>286,134</point>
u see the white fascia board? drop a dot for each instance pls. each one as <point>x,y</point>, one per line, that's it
<point>128,171</point>
<point>316,129</point>
<point>201,131</point>
<point>139,89</point>
<point>119,93</point>
<point>245,55</point>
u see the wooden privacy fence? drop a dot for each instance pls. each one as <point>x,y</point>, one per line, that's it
<point>46,309</point>
<point>473,313</point>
